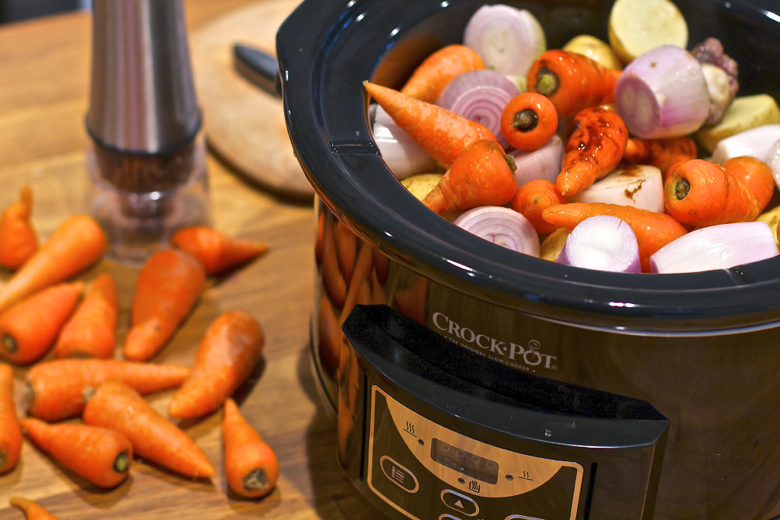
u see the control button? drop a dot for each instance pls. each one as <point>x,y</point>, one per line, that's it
<point>458,502</point>
<point>521,517</point>
<point>399,475</point>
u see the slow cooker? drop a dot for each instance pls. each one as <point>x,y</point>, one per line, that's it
<point>475,382</point>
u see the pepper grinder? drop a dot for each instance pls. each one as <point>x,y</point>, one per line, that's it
<point>146,158</point>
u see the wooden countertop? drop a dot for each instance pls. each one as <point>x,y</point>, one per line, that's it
<point>43,99</point>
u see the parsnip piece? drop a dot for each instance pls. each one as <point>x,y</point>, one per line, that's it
<point>595,49</point>
<point>421,184</point>
<point>553,244</point>
<point>742,114</point>
<point>637,26</point>
<point>771,217</point>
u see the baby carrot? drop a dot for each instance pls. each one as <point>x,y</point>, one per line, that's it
<point>438,69</point>
<point>18,240</point>
<point>228,353</point>
<point>30,327</point>
<point>572,81</point>
<point>441,133</point>
<point>31,510</point>
<point>755,175</point>
<point>661,153</point>
<point>593,149</point>
<point>117,406</point>
<point>10,435</point>
<point>100,455</point>
<point>216,251</point>
<point>90,332</point>
<point>528,121</point>
<point>75,245</point>
<point>251,466</point>
<point>534,197</point>
<point>652,230</point>
<point>55,389</point>
<point>169,283</point>
<point>481,176</point>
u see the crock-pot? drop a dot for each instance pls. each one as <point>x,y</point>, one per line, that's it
<point>475,382</point>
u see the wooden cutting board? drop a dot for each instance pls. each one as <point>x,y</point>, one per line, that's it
<point>244,124</point>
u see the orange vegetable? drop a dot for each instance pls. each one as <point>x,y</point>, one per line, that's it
<point>18,240</point>
<point>593,149</point>
<point>528,121</point>
<point>251,466</point>
<point>438,69</point>
<point>31,510</point>
<point>30,327</point>
<point>653,230</point>
<point>55,389</point>
<point>572,81</point>
<point>441,133</point>
<point>755,175</point>
<point>167,288</point>
<point>661,153</point>
<point>534,197</point>
<point>75,245</point>
<point>117,406</point>
<point>216,251</point>
<point>481,176</point>
<point>90,332</point>
<point>10,435</point>
<point>228,353</point>
<point>100,455</point>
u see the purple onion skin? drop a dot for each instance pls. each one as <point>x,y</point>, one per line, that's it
<point>604,243</point>
<point>544,163</point>
<point>502,226</point>
<point>462,83</point>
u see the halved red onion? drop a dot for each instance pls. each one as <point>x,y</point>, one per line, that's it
<point>544,163</point>
<point>755,142</point>
<point>662,94</point>
<point>603,242</point>
<point>502,226</point>
<point>715,247</point>
<point>773,160</point>
<point>508,39</point>
<point>403,156</point>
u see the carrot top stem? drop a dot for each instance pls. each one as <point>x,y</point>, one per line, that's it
<point>525,120</point>
<point>9,344</point>
<point>548,82</point>
<point>682,188</point>
<point>255,480</point>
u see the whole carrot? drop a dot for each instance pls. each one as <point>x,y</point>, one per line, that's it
<point>441,133</point>
<point>438,69</point>
<point>10,435</point>
<point>31,510</point>
<point>100,455</point>
<point>534,197</point>
<point>481,176</point>
<point>572,81</point>
<point>169,283</point>
<point>216,251</point>
<point>251,466</point>
<point>30,327</point>
<point>661,153</point>
<point>117,406</point>
<point>90,332</point>
<point>652,230</point>
<point>18,239</point>
<point>228,353</point>
<point>75,245</point>
<point>594,149</point>
<point>528,121</point>
<point>55,389</point>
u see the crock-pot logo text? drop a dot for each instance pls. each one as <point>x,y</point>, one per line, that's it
<point>526,357</point>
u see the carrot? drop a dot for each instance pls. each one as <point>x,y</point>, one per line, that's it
<point>75,245</point>
<point>528,121</point>
<point>216,251</point>
<point>228,353</point>
<point>117,406</point>
<point>30,327</point>
<point>572,81</point>
<point>55,389</point>
<point>100,455</point>
<point>18,240</point>
<point>10,435</point>
<point>661,153</point>
<point>90,332</point>
<point>31,510</point>
<point>534,197</point>
<point>251,466</point>
<point>439,132</point>
<point>653,230</point>
<point>481,176</point>
<point>700,193</point>
<point>438,69</point>
<point>593,149</point>
<point>167,288</point>
<point>755,175</point>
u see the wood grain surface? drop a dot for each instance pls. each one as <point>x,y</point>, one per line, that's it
<point>43,99</point>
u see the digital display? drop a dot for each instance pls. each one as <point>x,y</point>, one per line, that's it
<point>464,462</point>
